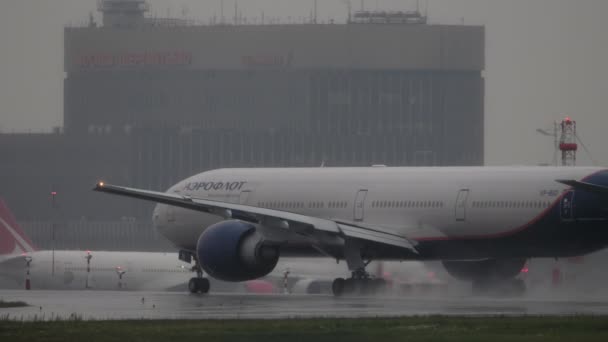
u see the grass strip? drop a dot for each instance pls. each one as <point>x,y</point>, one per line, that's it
<point>433,328</point>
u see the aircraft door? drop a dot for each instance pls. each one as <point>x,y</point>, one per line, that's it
<point>461,205</point>
<point>358,214</point>
<point>566,206</point>
<point>244,197</point>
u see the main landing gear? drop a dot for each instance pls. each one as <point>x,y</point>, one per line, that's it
<point>198,284</point>
<point>360,283</point>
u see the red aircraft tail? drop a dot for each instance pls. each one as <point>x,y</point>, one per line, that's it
<point>13,240</point>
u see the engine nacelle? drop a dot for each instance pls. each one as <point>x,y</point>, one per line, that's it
<point>234,251</point>
<point>490,269</point>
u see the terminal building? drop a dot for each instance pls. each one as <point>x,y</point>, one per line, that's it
<point>148,102</point>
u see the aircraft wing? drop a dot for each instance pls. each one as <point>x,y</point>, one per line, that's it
<point>267,217</point>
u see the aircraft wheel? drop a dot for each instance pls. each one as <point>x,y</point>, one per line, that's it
<point>198,285</point>
<point>338,286</point>
<point>193,285</point>
<point>204,285</point>
<point>350,286</point>
<point>366,286</point>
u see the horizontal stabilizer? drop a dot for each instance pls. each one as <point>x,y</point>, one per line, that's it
<point>598,189</point>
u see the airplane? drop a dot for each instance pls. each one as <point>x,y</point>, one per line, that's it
<point>107,270</point>
<point>482,223</point>
<point>22,265</point>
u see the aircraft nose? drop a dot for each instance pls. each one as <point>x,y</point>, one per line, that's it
<point>158,217</point>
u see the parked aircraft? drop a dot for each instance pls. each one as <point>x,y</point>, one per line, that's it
<point>30,268</point>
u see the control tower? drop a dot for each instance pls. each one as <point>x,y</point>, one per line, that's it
<point>123,13</point>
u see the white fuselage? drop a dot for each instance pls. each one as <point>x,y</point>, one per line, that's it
<point>69,270</point>
<point>423,204</point>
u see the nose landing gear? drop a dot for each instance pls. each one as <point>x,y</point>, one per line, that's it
<point>199,284</point>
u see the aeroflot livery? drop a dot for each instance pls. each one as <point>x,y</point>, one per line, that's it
<point>482,222</point>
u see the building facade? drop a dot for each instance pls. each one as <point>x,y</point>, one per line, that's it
<point>148,105</point>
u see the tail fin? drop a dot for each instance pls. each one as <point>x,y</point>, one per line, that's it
<point>12,239</point>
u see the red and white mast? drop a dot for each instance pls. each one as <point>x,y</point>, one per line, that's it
<point>567,142</point>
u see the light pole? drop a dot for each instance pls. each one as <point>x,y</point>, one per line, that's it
<point>53,226</point>
<point>28,261</point>
<point>88,257</point>
<point>120,272</point>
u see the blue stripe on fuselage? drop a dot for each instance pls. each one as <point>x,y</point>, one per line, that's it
<point>552,235</point>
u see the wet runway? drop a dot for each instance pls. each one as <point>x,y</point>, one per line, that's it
<point>159,305</point>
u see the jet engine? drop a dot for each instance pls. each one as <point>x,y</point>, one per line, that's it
<point>234,251</point>
<point>483,270</point>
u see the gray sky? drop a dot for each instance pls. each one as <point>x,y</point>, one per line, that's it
<point>545,59</point>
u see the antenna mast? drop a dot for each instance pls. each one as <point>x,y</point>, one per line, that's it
<point>567,142</point>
